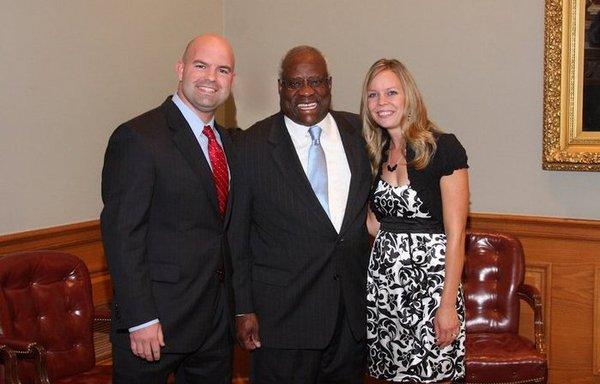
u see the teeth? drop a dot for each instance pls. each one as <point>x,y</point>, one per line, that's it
<point>307,106</point>
<point>384,113</point>
<point>207,89</point>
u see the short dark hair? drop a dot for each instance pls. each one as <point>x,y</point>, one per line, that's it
<point>297,50</point>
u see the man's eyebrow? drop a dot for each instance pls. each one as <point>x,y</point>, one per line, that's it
<point>208,65</point>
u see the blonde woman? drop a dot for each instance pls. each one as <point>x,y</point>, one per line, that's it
<point>418,212</point>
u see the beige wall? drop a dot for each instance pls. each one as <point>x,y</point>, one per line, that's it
<point>70,72</point>
<point>478,63</point>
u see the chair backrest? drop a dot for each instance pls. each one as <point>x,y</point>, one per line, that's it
<point>46,297</point>
<point>493,272</point>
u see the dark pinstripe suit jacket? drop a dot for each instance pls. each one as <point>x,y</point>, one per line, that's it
<point>291,267</point>
<point>163,236</point>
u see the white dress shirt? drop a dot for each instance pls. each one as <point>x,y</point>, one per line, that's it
<point>338,171</point>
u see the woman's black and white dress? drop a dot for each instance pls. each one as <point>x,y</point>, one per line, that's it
<point>406,275</point>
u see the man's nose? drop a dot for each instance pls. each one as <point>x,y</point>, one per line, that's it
<point>306,89</point>
<point>211,74</point>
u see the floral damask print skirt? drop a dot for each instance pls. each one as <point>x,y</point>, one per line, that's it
<point>404,287</point>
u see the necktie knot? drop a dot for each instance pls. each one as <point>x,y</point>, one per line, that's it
<point>208,132</point>
<point>315,134</point>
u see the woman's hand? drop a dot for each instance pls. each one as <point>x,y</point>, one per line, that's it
<point>446,325</point>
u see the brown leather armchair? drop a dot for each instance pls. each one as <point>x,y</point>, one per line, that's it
<point>46,317</point>
<point>493,284</point>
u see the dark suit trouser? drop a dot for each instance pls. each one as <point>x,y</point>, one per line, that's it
<point>341,362</point>
<point>210,363</point>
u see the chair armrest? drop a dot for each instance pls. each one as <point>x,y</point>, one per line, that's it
<point>22,347</point>
<point>8,358</point>
<point>531,295</point>
<point>26,350</point>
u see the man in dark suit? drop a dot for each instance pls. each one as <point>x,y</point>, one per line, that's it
<point>298,237</point>
<point>165,187</point>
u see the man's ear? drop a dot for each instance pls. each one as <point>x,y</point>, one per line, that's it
<point>179,69</point>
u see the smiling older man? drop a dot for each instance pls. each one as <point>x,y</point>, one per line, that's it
<point>298,236</point>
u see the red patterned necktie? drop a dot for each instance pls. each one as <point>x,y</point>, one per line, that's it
<point>218,163</point>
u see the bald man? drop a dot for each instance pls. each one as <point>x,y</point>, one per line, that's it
<point>166,190</point>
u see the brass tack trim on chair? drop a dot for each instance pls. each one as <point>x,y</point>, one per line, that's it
<point>528,381</point>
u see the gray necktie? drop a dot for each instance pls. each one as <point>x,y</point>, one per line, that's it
<point>317,168</point>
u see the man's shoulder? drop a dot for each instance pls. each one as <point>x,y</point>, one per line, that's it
<point>265,123</point>
<point>262,128</point>
<point>351,118</point>
<point>153,116</point>
<point>148,123</point>
<point>345,115</point>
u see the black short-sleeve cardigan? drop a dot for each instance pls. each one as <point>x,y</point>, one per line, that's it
<point>449,156</point>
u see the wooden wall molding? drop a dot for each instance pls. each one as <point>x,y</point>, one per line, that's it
<point>562,259</point>
<point>57,238</point>
<point>571,229</point>
<point>81,239</point>
<point>596,344</point>
<point>566,253</point>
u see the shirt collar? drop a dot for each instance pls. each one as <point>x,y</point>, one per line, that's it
<point>193,120</point>
<point>299,132</point>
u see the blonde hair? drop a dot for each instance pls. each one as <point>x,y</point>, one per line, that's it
<point>419,132</point>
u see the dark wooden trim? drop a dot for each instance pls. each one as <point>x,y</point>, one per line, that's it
<point>81,239</point>
<point>537,226</point>
<point>57,238</point>
<point>561,256</point>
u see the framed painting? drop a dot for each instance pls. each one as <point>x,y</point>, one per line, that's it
<point>572,85</point>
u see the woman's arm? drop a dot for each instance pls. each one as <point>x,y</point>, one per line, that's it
<point>455,207</point>
<point>372,223</point>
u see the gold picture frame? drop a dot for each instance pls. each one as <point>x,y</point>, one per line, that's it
<point>566,145</point>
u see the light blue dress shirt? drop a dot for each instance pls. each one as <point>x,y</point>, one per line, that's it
<point>197,126</point>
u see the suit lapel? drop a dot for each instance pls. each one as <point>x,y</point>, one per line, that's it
<point>186,142</point>
<point>354,153</point>
<point>286,159</point>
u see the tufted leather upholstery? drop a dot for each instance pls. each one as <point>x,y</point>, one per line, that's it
<point>46,298</point>
<point>493,283</point>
